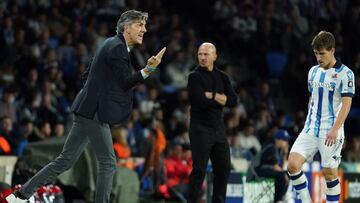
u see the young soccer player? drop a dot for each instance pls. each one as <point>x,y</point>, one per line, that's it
<point>331,86</point>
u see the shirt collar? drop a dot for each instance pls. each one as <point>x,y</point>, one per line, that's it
<point>204,69</point>
<point>123,39</point>
<point>338,64</point>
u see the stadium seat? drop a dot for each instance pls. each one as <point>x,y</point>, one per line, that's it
<point>276,63</point>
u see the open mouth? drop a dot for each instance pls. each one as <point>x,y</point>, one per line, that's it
<point>140,37</point>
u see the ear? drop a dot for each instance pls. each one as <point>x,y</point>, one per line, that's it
<point>126,29</point>
<point>333,50</point>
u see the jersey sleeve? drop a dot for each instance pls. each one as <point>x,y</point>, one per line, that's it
<point>347,85</point>
<point>309,83</point>
<point>311,75</point>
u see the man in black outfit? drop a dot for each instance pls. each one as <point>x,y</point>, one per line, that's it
<point>105,99</point>
<point>209,91</point>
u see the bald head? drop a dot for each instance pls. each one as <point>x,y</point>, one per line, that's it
<point>208,45</point>
<point>207,55</point>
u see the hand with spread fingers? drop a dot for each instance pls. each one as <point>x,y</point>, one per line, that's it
<point>154,61</point>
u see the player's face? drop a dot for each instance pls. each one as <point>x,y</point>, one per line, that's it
<point>206,56</point>
<point>324,57</point>
<point>136,32</point>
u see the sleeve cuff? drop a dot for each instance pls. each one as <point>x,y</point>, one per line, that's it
<point>144,75</point>
<point>347,95</point>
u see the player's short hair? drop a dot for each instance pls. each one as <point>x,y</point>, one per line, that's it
<point>129,17</point>
<point>323,40</point>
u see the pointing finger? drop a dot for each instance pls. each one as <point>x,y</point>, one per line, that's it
<point>161,53</point>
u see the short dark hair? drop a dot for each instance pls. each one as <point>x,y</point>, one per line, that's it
<point>323,40</point>
<point>129,17</point>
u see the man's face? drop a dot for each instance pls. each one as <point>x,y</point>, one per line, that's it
<point>177,151</point>
<point>206,56</point>
<point>7,124</point>
<point>324,57</point>
<point>136,32</point>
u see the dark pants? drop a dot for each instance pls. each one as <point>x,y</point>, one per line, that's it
<point>281,184</point>
<point>209,142</point>
<point>82,132</point>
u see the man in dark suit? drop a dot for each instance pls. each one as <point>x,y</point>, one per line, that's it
<point>105,99</point>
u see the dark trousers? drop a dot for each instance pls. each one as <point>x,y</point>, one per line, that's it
<point>281,184</point>
<point>82,132</point>
<point>209,142</point>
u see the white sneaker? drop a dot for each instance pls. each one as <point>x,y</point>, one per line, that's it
<point>13,199</point>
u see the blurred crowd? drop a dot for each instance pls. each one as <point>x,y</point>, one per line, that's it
<point>264,45</point>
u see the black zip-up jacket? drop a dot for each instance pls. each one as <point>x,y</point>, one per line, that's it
<point>203,110</point>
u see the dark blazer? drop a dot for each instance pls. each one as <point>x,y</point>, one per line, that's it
<point>109,81</point>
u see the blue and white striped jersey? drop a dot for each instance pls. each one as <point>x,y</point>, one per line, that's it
<point>326,88</point>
